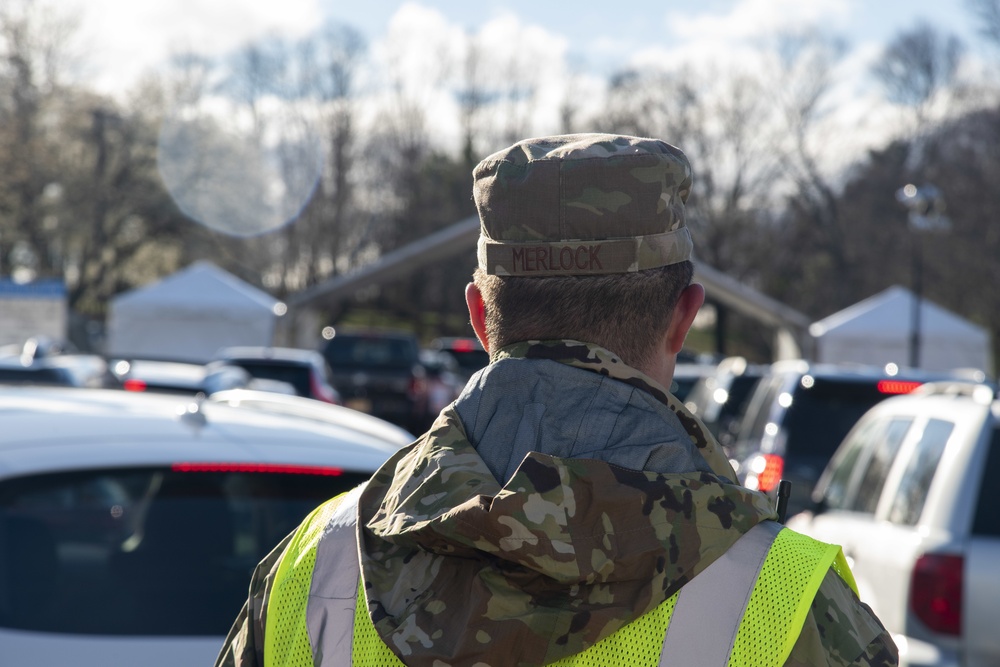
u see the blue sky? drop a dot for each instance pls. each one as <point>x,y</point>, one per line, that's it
<point>123,37</point>
<point>630,25</point>
<point>566,45</point>
<point>561,46</point>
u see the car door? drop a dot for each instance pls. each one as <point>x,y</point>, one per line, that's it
<point>982,568</point>
<point>850,493</point>
<point>886,550</point>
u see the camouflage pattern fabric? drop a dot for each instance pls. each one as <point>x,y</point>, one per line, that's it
<point>582,204</point>
<point>460,571</point>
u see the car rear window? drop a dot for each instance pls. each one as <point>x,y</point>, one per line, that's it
<point>822,414</point>
<point>297,376</point>
<point>987,520</point>
<point>45,376</point>
<point>153,551</point>
<point>346,352</point>
<point>469,360</point>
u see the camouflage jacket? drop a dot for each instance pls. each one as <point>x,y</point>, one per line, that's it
<point>460,569</point>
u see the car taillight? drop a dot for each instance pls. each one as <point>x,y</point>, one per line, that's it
<point>463,346</point>
<point>936,592</point>
<point>765,472</point>
<point>257,467</point>
<point>134,385</point>
<point>897,386</point>
<point>321,391</point>
<point>418,387</point>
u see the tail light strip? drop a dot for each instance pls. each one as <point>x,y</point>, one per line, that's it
<point>257,468</point>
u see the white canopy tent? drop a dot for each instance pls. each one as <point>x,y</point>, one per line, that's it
<point>878,331</point>
<point>189,315</point>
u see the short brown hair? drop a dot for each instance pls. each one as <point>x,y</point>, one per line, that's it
<point>626,313</point>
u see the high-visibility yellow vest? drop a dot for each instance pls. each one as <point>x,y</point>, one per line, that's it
<point>317,605</point>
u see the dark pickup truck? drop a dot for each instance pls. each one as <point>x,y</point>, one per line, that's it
<point>378,371</point>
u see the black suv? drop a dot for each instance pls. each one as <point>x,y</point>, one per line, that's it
<point>378,371</point>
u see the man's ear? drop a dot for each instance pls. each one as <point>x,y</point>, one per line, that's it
<point>690,301</point>
<point>477,313</point>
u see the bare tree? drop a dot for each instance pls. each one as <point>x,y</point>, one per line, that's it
<point>472,97</point>
<point>32,66</point>
<point>805,78</point>
<point>299,98</point>
<point>917,66</point>
<point>120,225</point>
<point>255,72</point>
<point>329,63</point>
<point>987,13</point>
<point>726,127</point>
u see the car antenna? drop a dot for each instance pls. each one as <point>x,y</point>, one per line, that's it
<point>781,506</point>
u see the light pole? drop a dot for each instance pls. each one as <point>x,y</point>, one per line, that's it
<point>926,208</point>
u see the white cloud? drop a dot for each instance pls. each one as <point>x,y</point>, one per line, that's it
<point>749,19</point>
<point>732,39</point>
<point>419,47</point>
<point>124,38</point>
<point>424,54</point>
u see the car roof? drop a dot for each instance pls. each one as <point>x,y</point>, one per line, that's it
<point>464,343</point>
<point>307,408</point>
<point>848,371</point>
<point>62,429</point>
<point>173,371</point>
<point>685,370</point>
<point>371,332</point>
<point>737,365</point>
<point>267,353</point>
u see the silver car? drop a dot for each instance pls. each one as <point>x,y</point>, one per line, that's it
<point>912,496</point>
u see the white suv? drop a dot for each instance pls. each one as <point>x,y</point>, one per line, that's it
<point>130,523</point>
<point>912,495</point>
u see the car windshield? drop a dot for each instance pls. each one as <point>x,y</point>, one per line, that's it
<point>152,551</point>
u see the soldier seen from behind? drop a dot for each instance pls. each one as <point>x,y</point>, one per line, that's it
<point>566,509</point>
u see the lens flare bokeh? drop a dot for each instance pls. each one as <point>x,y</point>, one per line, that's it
<point>235,179</point>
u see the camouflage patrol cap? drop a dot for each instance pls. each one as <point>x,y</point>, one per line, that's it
<point>582,204</point>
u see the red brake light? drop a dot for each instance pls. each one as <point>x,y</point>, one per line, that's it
<point>417,388</point>
<point>767,469</point>
<point>463,346</point>
<point>257,467</point>
<point>936,592</point>
<point>769,477</point>
<point>134,385</point>
<point>321,391</point>
<point>897,386</point>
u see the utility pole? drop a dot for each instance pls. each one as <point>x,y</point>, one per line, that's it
<point>926,207</point>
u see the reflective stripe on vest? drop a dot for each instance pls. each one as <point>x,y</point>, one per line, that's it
<point>746,608</point>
